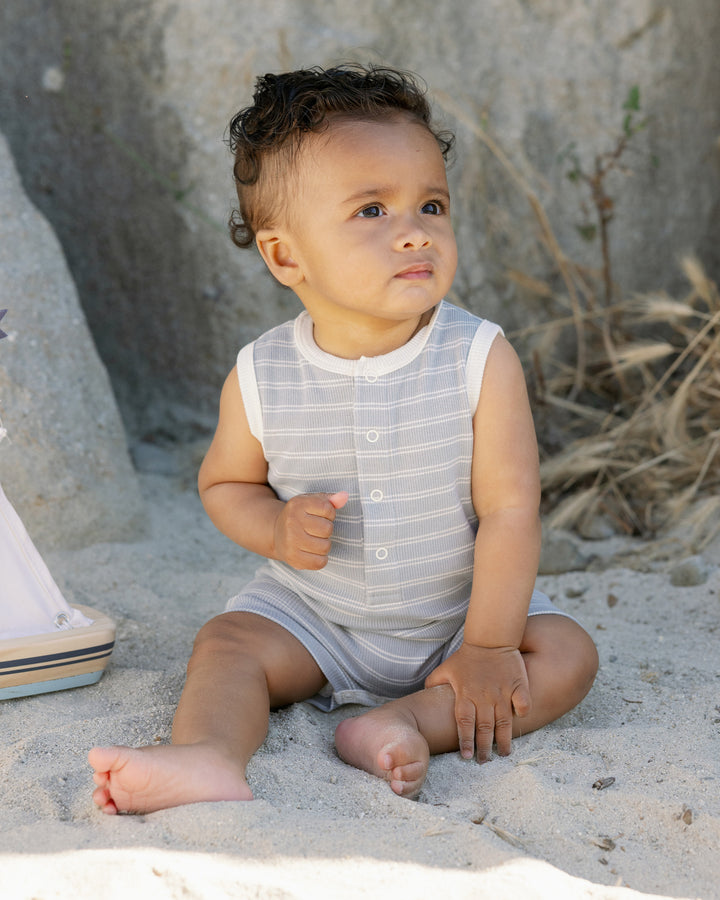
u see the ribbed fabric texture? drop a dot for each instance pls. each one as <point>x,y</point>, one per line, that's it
<point>395,432</point>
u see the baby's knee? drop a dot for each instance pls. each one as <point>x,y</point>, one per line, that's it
<point>221,635</point>
<point>568,651</point>
<point>581,658</point>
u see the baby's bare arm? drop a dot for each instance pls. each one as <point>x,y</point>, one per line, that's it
<point>234,490</point>
<point>487,673</point>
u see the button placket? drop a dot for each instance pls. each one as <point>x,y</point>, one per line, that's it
<point>367,370</point>
<point>373,421</point>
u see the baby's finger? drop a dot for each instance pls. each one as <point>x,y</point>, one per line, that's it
<point>320,515</point>
<point>317,526</point>
<point>521,701</point>
<point>314,546</point>
<point>503,732</point>
<point>316,505</point>
<point>484,732</point>
<point>465,719</point>
<point>312,562</point>
<point>340,499</point>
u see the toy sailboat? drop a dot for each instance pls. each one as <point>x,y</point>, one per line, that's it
<point>45,643</point>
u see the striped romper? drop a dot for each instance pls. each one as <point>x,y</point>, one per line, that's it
<point>395,432</point>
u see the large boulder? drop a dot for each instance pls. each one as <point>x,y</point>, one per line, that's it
<point>116,113</point>
<point>64,464</point>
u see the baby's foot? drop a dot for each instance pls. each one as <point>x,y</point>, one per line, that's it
<point>158,777</point>
<point>386,743</point>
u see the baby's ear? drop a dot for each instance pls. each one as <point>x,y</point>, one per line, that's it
<point>278,257</point>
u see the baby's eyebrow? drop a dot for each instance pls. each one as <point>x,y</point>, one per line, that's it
<point>381,192</point>
<point>369,193</point>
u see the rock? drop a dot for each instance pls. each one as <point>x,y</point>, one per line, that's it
<point>561,553</point>
<point>116,113</point>
<point>690,572</point>
<point>597,528</point>
<point>64,464</point>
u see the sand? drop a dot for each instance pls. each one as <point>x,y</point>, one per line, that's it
<point>532,825</point>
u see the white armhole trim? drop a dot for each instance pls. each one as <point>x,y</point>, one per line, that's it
<point>249,390</point>
<point>477,358</point>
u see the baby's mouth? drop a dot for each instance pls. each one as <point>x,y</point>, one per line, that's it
<point>419,272</point>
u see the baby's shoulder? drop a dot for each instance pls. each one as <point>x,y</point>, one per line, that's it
<point>456,318</point>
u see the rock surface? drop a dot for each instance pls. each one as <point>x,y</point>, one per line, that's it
<point>690,572</point>
<point>116,114</point>
<point>562,552</point>
<point>64,464</point>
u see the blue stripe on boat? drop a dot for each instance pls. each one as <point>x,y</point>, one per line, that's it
<point>39,662</point>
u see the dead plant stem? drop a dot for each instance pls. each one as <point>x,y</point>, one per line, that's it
<point>453,107</point>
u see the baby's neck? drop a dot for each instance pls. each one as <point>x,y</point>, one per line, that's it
<point>352,340</point>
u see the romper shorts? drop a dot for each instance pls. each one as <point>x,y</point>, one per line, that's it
<point>363,667</point>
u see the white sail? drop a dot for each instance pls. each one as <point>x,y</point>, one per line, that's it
<point>30,600</point>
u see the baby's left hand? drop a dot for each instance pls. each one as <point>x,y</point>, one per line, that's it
<point>489,683</point>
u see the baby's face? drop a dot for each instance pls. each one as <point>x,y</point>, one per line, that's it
<point>369,223</point>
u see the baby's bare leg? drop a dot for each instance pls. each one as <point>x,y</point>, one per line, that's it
<point>396,740</point>
<point>561,662</point>
<point>241,666</point>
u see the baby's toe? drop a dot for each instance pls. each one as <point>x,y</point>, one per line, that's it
<point>409,772</point>
<point>406,784</point>
<point>406,780</point>
<point>103,800</point>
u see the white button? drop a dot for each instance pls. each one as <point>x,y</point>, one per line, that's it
<point>376,496</point>
<point>381,553</point>
<point>372,436</point>
<point>371,377</point>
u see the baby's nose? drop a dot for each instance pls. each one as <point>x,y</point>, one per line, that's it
<point>414,236</point>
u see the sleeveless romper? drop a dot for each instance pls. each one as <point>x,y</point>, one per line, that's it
<point>395,432</point>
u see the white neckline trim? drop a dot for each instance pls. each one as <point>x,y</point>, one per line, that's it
<point>365,365</point>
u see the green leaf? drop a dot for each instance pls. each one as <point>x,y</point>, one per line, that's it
<point>633,99</point>
<point>587,232</point>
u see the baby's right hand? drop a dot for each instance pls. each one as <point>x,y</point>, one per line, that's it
<point>304,528</point>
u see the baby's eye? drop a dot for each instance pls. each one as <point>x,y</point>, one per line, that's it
<point>371,212</point>
<point>433,208</point>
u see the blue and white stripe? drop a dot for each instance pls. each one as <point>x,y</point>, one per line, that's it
<point>396,433</point>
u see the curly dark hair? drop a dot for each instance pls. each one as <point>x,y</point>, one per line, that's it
<point>265,137</point>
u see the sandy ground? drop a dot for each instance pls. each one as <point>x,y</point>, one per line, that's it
<point>531,825</point>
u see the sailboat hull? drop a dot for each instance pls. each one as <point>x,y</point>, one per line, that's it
<point>57,660</point>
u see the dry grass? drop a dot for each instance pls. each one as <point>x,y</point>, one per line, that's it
<point>647,416</point>
<point>630,428</point>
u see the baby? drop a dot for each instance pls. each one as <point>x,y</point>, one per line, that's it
<point>379,452</point>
